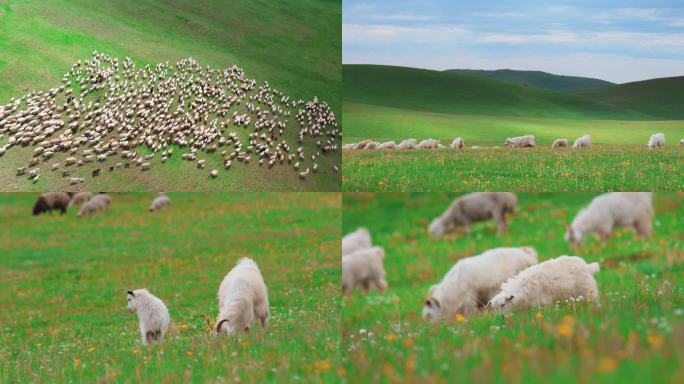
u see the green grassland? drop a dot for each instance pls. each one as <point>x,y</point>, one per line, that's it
<point>537,79</point>
<point>635,335</point>
<point>63,282</point>
<point>384,103</point>
<point>295,46</point>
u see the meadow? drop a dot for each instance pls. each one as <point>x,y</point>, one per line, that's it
<point>383,103</point>
<point>63,283</point>
<point>636,334</point>
<point>295,47</point>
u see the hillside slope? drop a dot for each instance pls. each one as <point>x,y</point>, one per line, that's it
<point>435,91</point>
<point>659,97</point>
<point>538,79</point>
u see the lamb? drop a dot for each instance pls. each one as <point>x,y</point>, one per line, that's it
<point>364,268</point>
<point>91,207</point>
<point>80,198</point>
<point>656,140</point>
<point>474,207</point>
<point>546,283</point>
<point>526,141</point>
<point>611,210</point>
<point>153,315</point>
<point>160,202</point>
<point>243,299</point>
<point>388,145</point>
<point>51,200</point>
<point>582,142</point>
<point>473,281</point>
<point>428,144</point>
<point>457,143</point>
<point>560,143</point>
<point>408,144</point>
<point>359,239</point>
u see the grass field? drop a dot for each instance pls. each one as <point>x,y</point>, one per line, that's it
<point>295,46</point>
<point>636,335</point>
<point>384,103</point>
<point>63,283</point>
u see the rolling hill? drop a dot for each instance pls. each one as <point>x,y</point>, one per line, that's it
<point>455,93</point>
<point>538,79</point>
<point>658,97</point>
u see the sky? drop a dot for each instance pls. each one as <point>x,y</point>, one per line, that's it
<point>618,41</point>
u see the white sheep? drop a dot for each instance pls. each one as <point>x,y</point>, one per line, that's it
<point>160,202</point>
<point>582,142</point>
<point>388,145</point>
<point>408,144</point>
<point>80,198</point>
<point>104,198</point>
<point>473,281</point>
<point>364,268</point>
<point>153,315</point>
<point>681,142</point>
<point>609,211</point>
<point>428,144</point>
<point>474,207</point>
<point>457,143</point>
<point>91,207</point>
<point>359,239</point>
<point>656,140</point>
<point>520,141</point>
<point>243,299</point>
<point>560,143</point>
<point>546,283</point>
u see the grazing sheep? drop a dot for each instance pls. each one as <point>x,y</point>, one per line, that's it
<point>546,283</point>
<point>582,142</point>
<point>526,141</point>
<point>362,144</point>
<point>681,142</point>
<point>388,145</point>
<point>364,268</point>
<point>349,146</point>
<point>359,239</point>
<point>51,200</point>
<point>104,198</point>
<point>656,140</point>
<point>408,144</point>
<point>80,198</point>
<point>92,207</point>
<point>372,145</point>
<point>609,211</point>
<point>243,299</point>
<point>214,173</point>
<point>473,207</point>
<point>428,144</point>
<point>560,143</point>
<point>160,202</point>
<point>474,147</point>
<point>153,315</point>
<point>457,143</point>
<point>473,281</point>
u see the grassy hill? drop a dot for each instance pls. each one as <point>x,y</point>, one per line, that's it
<point>443,92</point>
<point>63,285</point>
<point>295,46</point>
<point>537,79</point>
<point>658,97</point>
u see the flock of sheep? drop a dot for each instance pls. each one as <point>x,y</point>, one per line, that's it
<point>504,279</point>
<point>527,141</point>
<point>108,109</point>
<point>242,301</point>
<point>91,204</point>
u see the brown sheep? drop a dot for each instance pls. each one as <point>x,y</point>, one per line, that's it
<point>51,200</point>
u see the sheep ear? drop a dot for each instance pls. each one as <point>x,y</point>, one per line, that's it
<point>130,293</point>
<point>509,298</point>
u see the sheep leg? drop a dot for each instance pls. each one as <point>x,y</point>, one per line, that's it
<point>62,209</point>
<point>466,228</point>
<point>501,225</point>
<point>366,285</point>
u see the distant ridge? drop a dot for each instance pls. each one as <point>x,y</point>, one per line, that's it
<point>458,93</point>
<point>538,79</point>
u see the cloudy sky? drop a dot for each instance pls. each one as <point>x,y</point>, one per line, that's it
<point>618,41</point>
